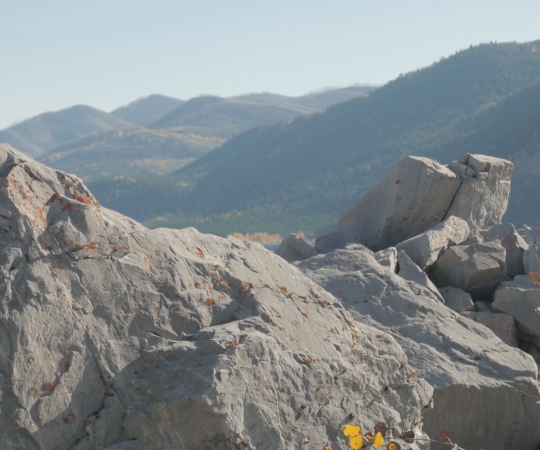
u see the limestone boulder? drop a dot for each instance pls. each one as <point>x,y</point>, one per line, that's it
<point>483,307</point>
<point>482,198</point>
<point>414,197</point>
<point>122,338</point>
<point>457,299</point>
<point>409,271</point>
<point>502,325</point>
<point>425,249</point>
<point>387,258</point>
<point>331,241</point>
<point>532,256</point>
<point>294,248</point>
<point>524,306</point>
<point>472,371</point>
<point>477,269</point>
<point>514,244</point>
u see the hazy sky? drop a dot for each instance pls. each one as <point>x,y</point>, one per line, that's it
<point>106,53</point>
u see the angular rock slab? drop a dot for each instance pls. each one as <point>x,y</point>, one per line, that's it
<point>331,241</point>
<point>524,306</point>
<point>532,255</point>
<point>187,341</point>
<point>409,271</point>
<point>477,269</point>
<point>503,325</point>
<point>294,248</point>
<point>482,198</point>
<point>414,197</point>
<point>387,258</point>
<point>472,372</point>
<point>514,244</point>
<point>457,299</point>
<point>425,249</point>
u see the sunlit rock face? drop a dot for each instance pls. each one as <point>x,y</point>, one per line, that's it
<point>119,337</point>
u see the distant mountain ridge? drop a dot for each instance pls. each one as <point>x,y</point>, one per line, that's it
<point>39,134</point>
<point>227,117</point>
<point>70,138</point>
<point>301,175</point>
<point>147,109</point>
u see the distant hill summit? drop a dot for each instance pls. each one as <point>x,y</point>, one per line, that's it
<point>226,117</point>
<point>148,109</point>
<point>316,100</point>
<point>301,174</point>
<point>39,134</point>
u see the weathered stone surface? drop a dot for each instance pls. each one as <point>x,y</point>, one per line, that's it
<point>387,258</point>
<point>524,306</point>
<point>331,241</point>
<point>472,371</point>
<point>125,338</point>
<point>409,271</point>
<point>502,325</point>
<point>474,239</point>
<point>482,198</point>
<point>531,349</point>
<point>457,299</point>
<point>425,249</point>
<point>514,244</point>
<point>294,248</point>
<point>477,269</point>
<point>414,197</point>
<point>483,307</point>
<point>532,256</point>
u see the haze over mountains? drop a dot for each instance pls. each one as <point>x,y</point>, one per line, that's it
<point>285,164</point>
<point>156,134</point>
<point>300,175</point>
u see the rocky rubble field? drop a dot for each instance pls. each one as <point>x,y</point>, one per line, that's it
<point>419,311</point>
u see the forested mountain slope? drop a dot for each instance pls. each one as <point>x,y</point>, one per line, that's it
<point>301,174</point>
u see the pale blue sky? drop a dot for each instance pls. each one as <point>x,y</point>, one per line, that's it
<point>106,53</point>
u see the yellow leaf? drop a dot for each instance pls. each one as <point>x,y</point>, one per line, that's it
<point>379,440</point>
<point>351,430</point>
<point>355,442</point>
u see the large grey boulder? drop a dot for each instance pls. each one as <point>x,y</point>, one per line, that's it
<point>514,244</point>
<point>414,197</point>
<point>409,271</point>
<point>482,198</point>
<point>331,241</point>
<point>294,248</point>
<point>387,258</point>
<point>472,371</point>
<point>524,306</point>
<point>425,249</point>
<point>117,337</point>
<point>477,269</point>
<point>532,256</point>
<point>457,299</point>
<point>503,325</point>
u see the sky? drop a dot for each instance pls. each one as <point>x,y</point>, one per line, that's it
<point>106,53</point>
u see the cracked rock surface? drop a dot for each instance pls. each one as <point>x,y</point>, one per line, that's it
<point>477,378</point>
<point>116,337</point>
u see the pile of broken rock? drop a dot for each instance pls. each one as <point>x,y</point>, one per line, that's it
<point>117,337</point>
<point>439,228</point>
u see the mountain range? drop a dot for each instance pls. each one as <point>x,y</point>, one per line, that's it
<point>155,134</point>
<point>301,174</point>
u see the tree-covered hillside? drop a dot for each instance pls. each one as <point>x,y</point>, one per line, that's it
<point>136,151</point>
<point>301,174</point>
